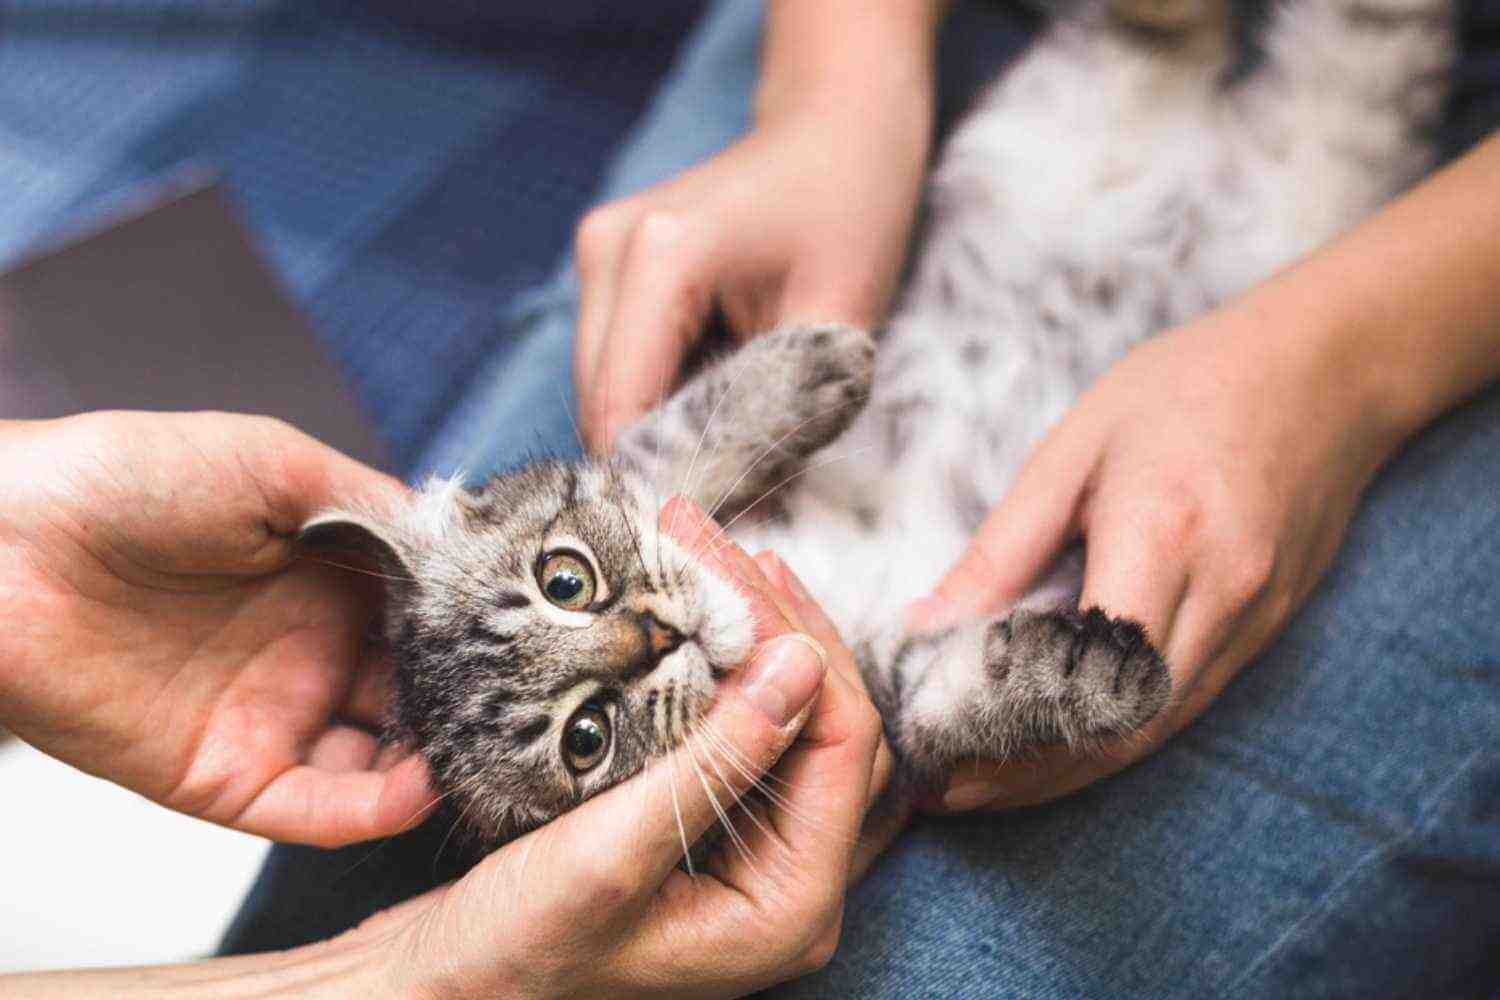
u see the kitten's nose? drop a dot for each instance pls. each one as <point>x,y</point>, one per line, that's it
<point>661,638</point>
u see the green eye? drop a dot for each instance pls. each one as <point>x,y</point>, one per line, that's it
<point>586,739</point>
<point>567,580</point>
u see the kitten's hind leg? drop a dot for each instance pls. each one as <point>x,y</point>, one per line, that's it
<point>997,690</point>
<point>749,420</point>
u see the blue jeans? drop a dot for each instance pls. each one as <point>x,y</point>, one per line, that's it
<point>1330,827</point>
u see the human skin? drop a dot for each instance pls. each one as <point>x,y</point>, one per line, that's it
<point>163,635</point>
<point>805,219</point>
<point>1212,472</point>
<point>122,522</point>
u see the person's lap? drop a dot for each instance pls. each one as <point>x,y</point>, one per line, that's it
<point>1329,827</point>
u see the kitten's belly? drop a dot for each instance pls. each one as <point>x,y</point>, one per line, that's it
<point>862,572</point>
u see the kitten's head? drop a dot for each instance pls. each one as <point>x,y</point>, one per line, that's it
<point>548,639</point>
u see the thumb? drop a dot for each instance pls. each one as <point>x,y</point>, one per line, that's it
<point>1019,538</point>
<point>650,820</point>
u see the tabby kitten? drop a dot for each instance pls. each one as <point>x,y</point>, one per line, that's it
<point>1118,181</point>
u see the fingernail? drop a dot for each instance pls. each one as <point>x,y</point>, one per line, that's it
<point>784,677</point>
<point>964,795</point>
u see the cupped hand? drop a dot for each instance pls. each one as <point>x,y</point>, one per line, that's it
<point>804,220</point>
<point>595,903</point>
<point>1212,474</point>
<point>160,632</point>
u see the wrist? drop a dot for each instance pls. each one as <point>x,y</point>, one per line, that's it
<point>1320,371</point>
<point>849,61</point>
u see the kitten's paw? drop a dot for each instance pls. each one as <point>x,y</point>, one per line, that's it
<point>1082,676</point>
<point>833,368</point>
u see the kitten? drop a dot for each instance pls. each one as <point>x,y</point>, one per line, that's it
<point>1116,182</point>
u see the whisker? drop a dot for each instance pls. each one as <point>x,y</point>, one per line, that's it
<point>577,434</point>
<point>384,841</point>
<point>776,798</point>
<point>616,495</point>
<point>521,874</point>
<point>734,757</point>
<point>687,478</point>
<point>740,800</point>
<point>466,785</point>
<point>800,472</point>
<point>687,852</point>
<point>769,449</point>
<point>724,820</point>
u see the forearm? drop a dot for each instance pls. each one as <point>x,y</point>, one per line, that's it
<point>850,57</point>
<point>1404,311</point>
<point>338,968</point>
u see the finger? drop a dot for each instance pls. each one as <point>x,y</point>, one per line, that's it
<point>599,251</point>
<point>821,627</point>
<point>344,748</point>
<point>1132,572</point>
<point>1019,538</point>
<point>1129,573</point>
<point>298,475</point>
<point>309,805</point>
<point>1215,637</point>
<point>781,878</point>
<point>371,694</point>
<point>686,523</point>
<point>633,835</point>
<point>1051,773</point>
<point>663,300</point>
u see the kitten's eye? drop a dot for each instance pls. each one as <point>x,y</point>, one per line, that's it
<point>567,581</point>
<point>586,739</point>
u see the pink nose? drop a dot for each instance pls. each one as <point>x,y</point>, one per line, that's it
<point>661,637</point>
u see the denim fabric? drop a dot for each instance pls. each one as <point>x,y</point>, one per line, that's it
<point>406,181</point>
<point>1331,827</point>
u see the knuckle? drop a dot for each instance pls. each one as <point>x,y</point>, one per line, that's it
<point>1175,520</point>
<point>820,951</point>
<point>272,428</point>
<point>611,886</point>
<point>598,232</point>
<point>659,231</point>
<point>611,891</point>
<point>1250,571</point>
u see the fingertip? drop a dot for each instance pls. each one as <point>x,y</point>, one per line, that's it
<point>407,798</point>
<point>929,614</point>
<point>970,795</point>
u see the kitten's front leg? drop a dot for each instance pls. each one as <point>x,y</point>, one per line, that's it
<point>748,420</point>
<point>999,689</point>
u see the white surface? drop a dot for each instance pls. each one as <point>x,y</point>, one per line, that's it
<point>91,874</point>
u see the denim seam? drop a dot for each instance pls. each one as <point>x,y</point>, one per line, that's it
<point>1323,905</point>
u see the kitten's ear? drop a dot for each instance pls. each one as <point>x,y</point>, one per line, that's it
<point>355,536</point>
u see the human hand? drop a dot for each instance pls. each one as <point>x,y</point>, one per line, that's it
<point>1212,474</point>
<point>804,220</point>
<point>594,904</point>
<point>161,636</point>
